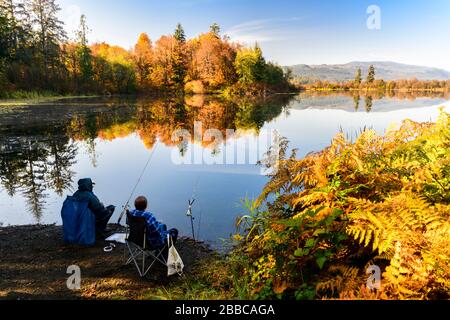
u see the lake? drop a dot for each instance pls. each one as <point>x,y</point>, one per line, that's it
<point>46,148</point>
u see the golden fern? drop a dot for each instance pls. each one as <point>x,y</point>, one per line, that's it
<point>394,193</point>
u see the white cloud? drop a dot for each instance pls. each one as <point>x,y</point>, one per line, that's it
<point>263,30</point>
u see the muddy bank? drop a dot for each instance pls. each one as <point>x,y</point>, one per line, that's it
<point>34,262</point>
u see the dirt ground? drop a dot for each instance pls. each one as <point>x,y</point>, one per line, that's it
<point>34,262</point>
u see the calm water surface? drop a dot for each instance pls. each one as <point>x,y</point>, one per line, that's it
<point>46,148</point>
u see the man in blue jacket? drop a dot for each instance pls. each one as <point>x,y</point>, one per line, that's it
<point>102,214</point>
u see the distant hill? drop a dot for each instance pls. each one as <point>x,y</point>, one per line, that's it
<point>384,70</point>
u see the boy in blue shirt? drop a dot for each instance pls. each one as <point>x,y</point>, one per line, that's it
<point>156,232</point>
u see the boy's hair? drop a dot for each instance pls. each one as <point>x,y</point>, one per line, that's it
<point>141,203</point>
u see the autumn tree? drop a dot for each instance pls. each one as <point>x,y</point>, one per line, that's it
<point>71,63</point>
<point>213,61</point>
<point>114,68</point>
<point>143,57</point>
<point>35,55</point>
<point>252,69</point>
<point>250,65</point>
<point>163,70</point>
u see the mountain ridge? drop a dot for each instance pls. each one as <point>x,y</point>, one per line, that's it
<point>386,70</point>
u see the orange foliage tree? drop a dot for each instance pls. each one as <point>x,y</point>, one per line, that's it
<point>212,60</point>
<point>143,58</point>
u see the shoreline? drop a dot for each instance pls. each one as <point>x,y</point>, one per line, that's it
<point>35,260</point>
<point>35,101</point>
<point>38,101</point>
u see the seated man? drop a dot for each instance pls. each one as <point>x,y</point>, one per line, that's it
<point>156,231</point>
<point>102,214</point>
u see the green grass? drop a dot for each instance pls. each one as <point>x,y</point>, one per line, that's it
<point>210,280</point>
<point>22,98</point>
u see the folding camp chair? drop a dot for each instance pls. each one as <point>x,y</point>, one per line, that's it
<point>140,252</point>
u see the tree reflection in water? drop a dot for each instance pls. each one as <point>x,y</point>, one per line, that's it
<point>39,145</point>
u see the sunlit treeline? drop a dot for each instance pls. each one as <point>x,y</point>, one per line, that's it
<point>402,85</point>
<point>378,94</point>
<point>36,54</point>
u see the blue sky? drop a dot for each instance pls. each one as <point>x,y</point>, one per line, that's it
<point>290,32</point>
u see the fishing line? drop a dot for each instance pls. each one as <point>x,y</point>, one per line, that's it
<point>137,183</point>
<point>194,191</point>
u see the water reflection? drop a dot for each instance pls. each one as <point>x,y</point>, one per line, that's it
<point>43,147</point>
<point>369,103</point>
<point>39,145</point>
<point>34,161</point>
<point>361,101</point>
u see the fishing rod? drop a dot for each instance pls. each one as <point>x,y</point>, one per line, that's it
<point>190,215</point>
<point>191,203</point>
<point>127,204</point>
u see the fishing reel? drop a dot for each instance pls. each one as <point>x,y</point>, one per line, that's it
<point>125,210</point>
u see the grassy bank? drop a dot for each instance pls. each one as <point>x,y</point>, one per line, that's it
<point>20,98</point>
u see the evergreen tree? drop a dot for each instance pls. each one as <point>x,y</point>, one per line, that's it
<point>84,52</point>
<point>371,75</point>
<point>5,31</point>
<point>215,29</point>
<point>179,56</point>
<point>50,33</point>
<point>358,78</point>
<point>179,33</point>
<point>18,20</point>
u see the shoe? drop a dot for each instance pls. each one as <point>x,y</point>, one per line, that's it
<point>103,234</point>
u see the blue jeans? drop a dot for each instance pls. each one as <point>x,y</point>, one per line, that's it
<point>102,219</point>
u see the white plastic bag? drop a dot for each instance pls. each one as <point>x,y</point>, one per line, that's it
<point>118,237</point>
<point>174,263</point>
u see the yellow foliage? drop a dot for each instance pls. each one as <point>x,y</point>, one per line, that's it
<point>393,192</point>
